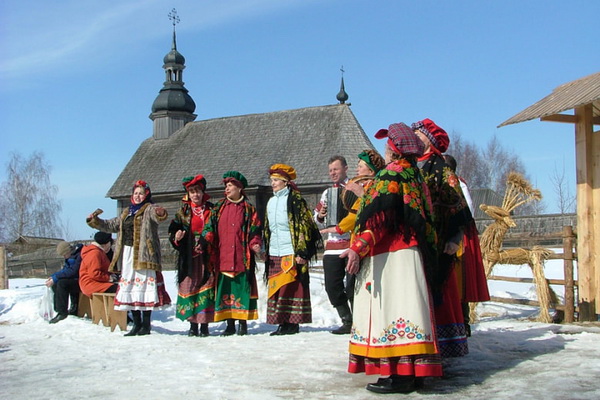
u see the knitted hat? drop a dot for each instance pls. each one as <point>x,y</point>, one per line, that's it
<point>236,178</point>
<point>194,180</point>
<point>64,249</point>
<point>402,139</point>
<point>102,237</point>
<point>436,135</point>
<point>283,172</point>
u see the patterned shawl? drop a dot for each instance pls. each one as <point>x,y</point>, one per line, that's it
<point>398,200</point>
<point>449,206</point>
<point>185,246</point>
<point>306,237</point>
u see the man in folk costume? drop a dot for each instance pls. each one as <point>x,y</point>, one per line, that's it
<point>196,281</point>
<point>338,284</point>
<point>393,255</point>
<point>452,215</point>
<point>291,240</point>
<point>233,236</point>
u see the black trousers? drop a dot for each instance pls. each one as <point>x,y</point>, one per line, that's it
<point>338,291</point>
<point>63,290</point>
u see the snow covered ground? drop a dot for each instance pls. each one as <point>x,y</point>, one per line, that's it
<point>510,355</point>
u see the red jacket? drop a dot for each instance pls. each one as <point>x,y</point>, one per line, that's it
<point>93,273</point>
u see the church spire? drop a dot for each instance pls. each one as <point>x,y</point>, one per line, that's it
<point>173,107</point>
<point>342,96</point>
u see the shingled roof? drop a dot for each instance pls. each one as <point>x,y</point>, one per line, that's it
<point>304,138</point>
<point>565,97</point>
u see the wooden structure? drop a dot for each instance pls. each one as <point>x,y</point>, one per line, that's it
<point>582,96</point>
<point>566,311</point>
<point>103,310</point>
<point>518,192</point>
<point>3,269</point>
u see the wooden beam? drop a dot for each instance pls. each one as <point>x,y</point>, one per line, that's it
<point>561,118</point>
<point>527,280</point>
<point>587,155</point>
<point>572,119</point>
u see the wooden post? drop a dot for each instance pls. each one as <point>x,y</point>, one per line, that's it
<point>568,265</point>
<point>3,268</point>
<point>587,150</point>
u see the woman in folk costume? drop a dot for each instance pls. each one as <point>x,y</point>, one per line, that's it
<point>369,164</point>
<point>232,235</point>
<point>196,281</point>
<point>392,255</point>
<point>452,215</point>
<point>291,240</point>
<point>470,272</point>
<point>137,256</point>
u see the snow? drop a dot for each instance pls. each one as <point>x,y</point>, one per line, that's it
<point>511,355</point>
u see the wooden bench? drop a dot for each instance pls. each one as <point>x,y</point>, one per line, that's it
<point>84,307</point>
<point>103,309</point>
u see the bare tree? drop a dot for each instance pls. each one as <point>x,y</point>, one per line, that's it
<point>488,167</point>
<point>565,199</point>
<point>28,201</point>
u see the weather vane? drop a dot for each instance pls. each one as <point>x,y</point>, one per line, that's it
<point>342,69</point>
<point>174,17</point>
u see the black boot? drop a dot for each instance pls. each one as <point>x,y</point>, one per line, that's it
<point>137,323</point>
<point>230,330</point>
<point>346,315</point>
<point>291,329</point>
<point>147,316</point>
<point>59,317</point>
<point>279,331</point>
<point>393,384</point>
<point>204,330</point>
<point>193,329</point>
<point>74,303</point>
<point>242,327</point>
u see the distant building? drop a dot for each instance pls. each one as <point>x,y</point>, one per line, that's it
<point>304,138</point>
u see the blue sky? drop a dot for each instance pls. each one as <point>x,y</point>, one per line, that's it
<point>78,78</point>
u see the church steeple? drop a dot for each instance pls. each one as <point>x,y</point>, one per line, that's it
<point>173,107</point>
<point>342,96</point>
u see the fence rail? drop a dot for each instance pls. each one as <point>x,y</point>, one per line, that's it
<point>569,238</point>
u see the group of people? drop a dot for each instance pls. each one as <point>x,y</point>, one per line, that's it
<point>415,263</point>
<point>85,270</point>
<point>401,259</point>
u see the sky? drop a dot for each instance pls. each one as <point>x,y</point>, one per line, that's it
<point>511,355</point>
<point>77,79</point>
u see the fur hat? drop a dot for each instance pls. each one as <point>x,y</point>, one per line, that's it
<point>64,249</point>
<point>102,237</point>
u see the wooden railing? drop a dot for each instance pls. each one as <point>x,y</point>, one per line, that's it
<point>569,255</point>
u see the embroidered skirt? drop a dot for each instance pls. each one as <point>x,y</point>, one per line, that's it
<point>140,290</point>
<point>451,328</point>
<point>196,295</point>
<point>393,329</point>
<point>236,297</point>
<point>289,299</point>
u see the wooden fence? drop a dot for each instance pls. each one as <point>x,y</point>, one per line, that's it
<point>568,236</point>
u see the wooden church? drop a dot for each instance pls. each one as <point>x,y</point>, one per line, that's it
<point>304,138</point>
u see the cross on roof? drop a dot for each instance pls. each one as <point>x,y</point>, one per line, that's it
<point>174,17</point>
